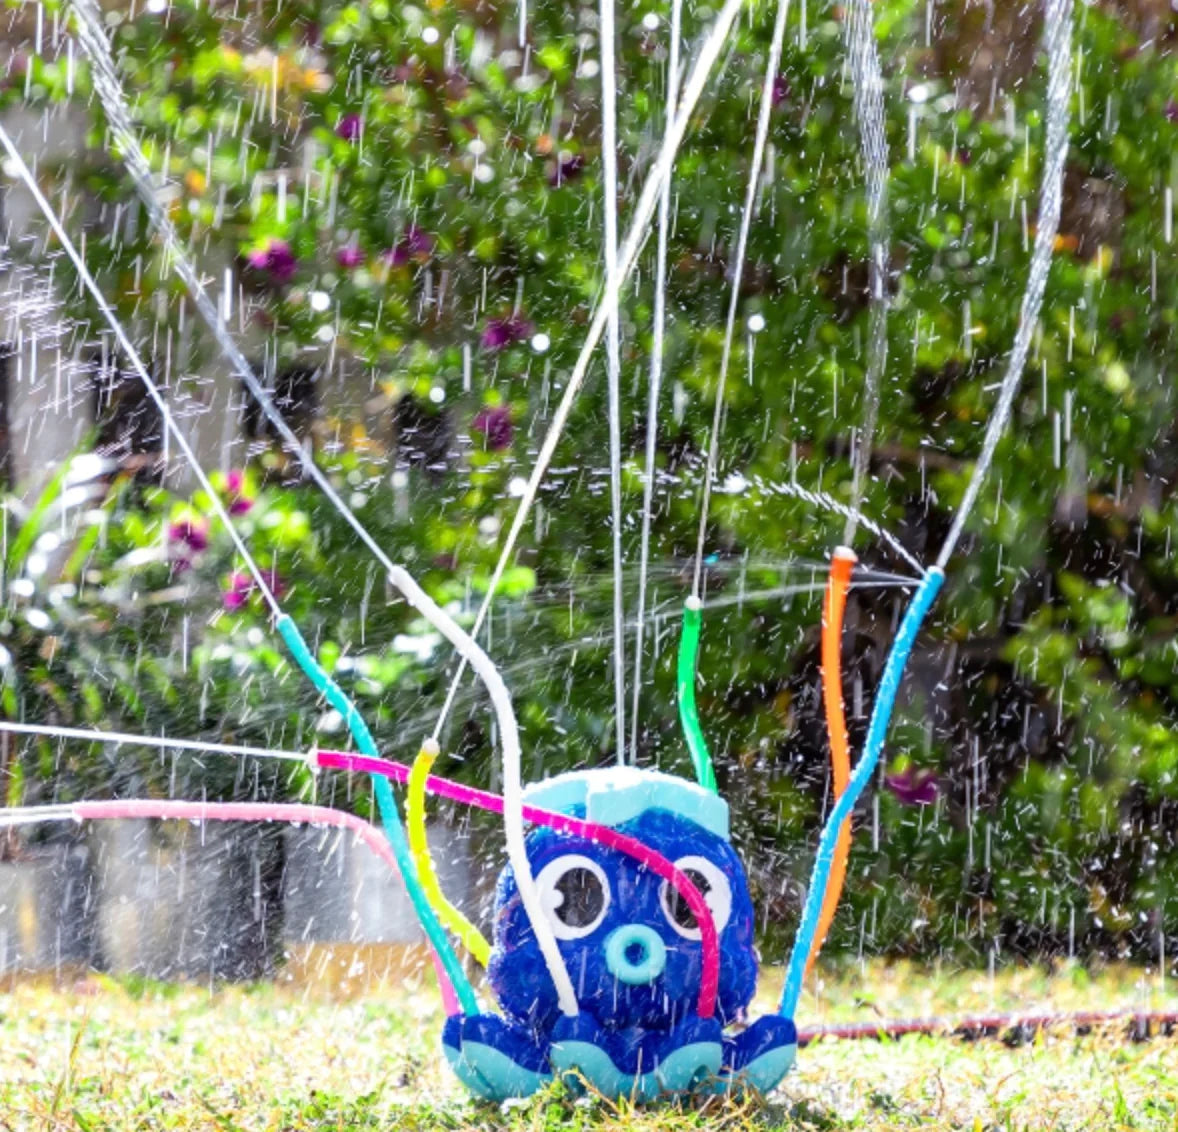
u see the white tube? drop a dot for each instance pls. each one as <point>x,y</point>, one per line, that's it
<point>742,242</point>
<point>609,164</point>
<point>1057,32</point>
<point>513,801</point>
<point>656,375</point>
<point>89,735</point>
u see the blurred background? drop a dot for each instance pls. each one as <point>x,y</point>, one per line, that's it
<point>398,209</point>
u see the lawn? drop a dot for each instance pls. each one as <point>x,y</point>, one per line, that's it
<point>101,1054</point>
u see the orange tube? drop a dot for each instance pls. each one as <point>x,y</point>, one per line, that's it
<point>834,606</point>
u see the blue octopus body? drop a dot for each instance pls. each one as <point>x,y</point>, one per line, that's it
<point>636,899</point>
<point>633,954</point>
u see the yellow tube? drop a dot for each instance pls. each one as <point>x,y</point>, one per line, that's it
<point>474,940</point>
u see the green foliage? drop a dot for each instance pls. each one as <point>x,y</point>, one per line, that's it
<point>441,188</point>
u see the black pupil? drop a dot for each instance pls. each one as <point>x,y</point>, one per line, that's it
<point>681,912</point>
<point>583,898</point>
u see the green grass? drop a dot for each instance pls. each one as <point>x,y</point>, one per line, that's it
<point>107,1055</point>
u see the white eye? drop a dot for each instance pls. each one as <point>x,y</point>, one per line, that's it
<point>713,887</point>
<point>575,895</point>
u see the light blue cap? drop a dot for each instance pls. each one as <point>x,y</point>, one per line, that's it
<point>617,794</point>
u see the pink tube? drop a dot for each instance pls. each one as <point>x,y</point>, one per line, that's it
<point>603,834</point>
<point>258,811</point>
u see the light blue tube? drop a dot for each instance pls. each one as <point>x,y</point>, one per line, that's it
<point>390,818</point>
<point>881,716</point>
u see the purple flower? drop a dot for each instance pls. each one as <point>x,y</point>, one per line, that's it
<point>349,256</point>
<point>781,90</point>
<point>191,534</point>
<point>275,258</point>
<point>568,167</point>
<point>1172,110</point>
<point>241,585</point>
<point>240,501</point>
<point>415,244</point>
<point>418,241</point>
<point>913,787</point>
<point>500,333</point>
<point>349,127</point>
<point>496,426</point>
<point>238,591</point>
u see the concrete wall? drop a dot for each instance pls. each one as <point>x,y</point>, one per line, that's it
<point>47,910</point>
<point>174,900</point>
<point>337,889</point>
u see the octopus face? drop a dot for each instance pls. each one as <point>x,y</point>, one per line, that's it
<point>631,944</point>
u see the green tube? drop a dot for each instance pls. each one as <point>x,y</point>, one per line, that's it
<point>390,818</point>
<point>688,716</point>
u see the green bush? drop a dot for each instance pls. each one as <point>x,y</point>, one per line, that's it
<point>442,190</point>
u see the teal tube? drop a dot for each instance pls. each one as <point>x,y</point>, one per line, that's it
<point>390,818</point>
<point>881,716</point>
<point>697,745</point>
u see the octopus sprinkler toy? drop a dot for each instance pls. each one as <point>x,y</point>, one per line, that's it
<point>647,901</point>
<point>634,948</point>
